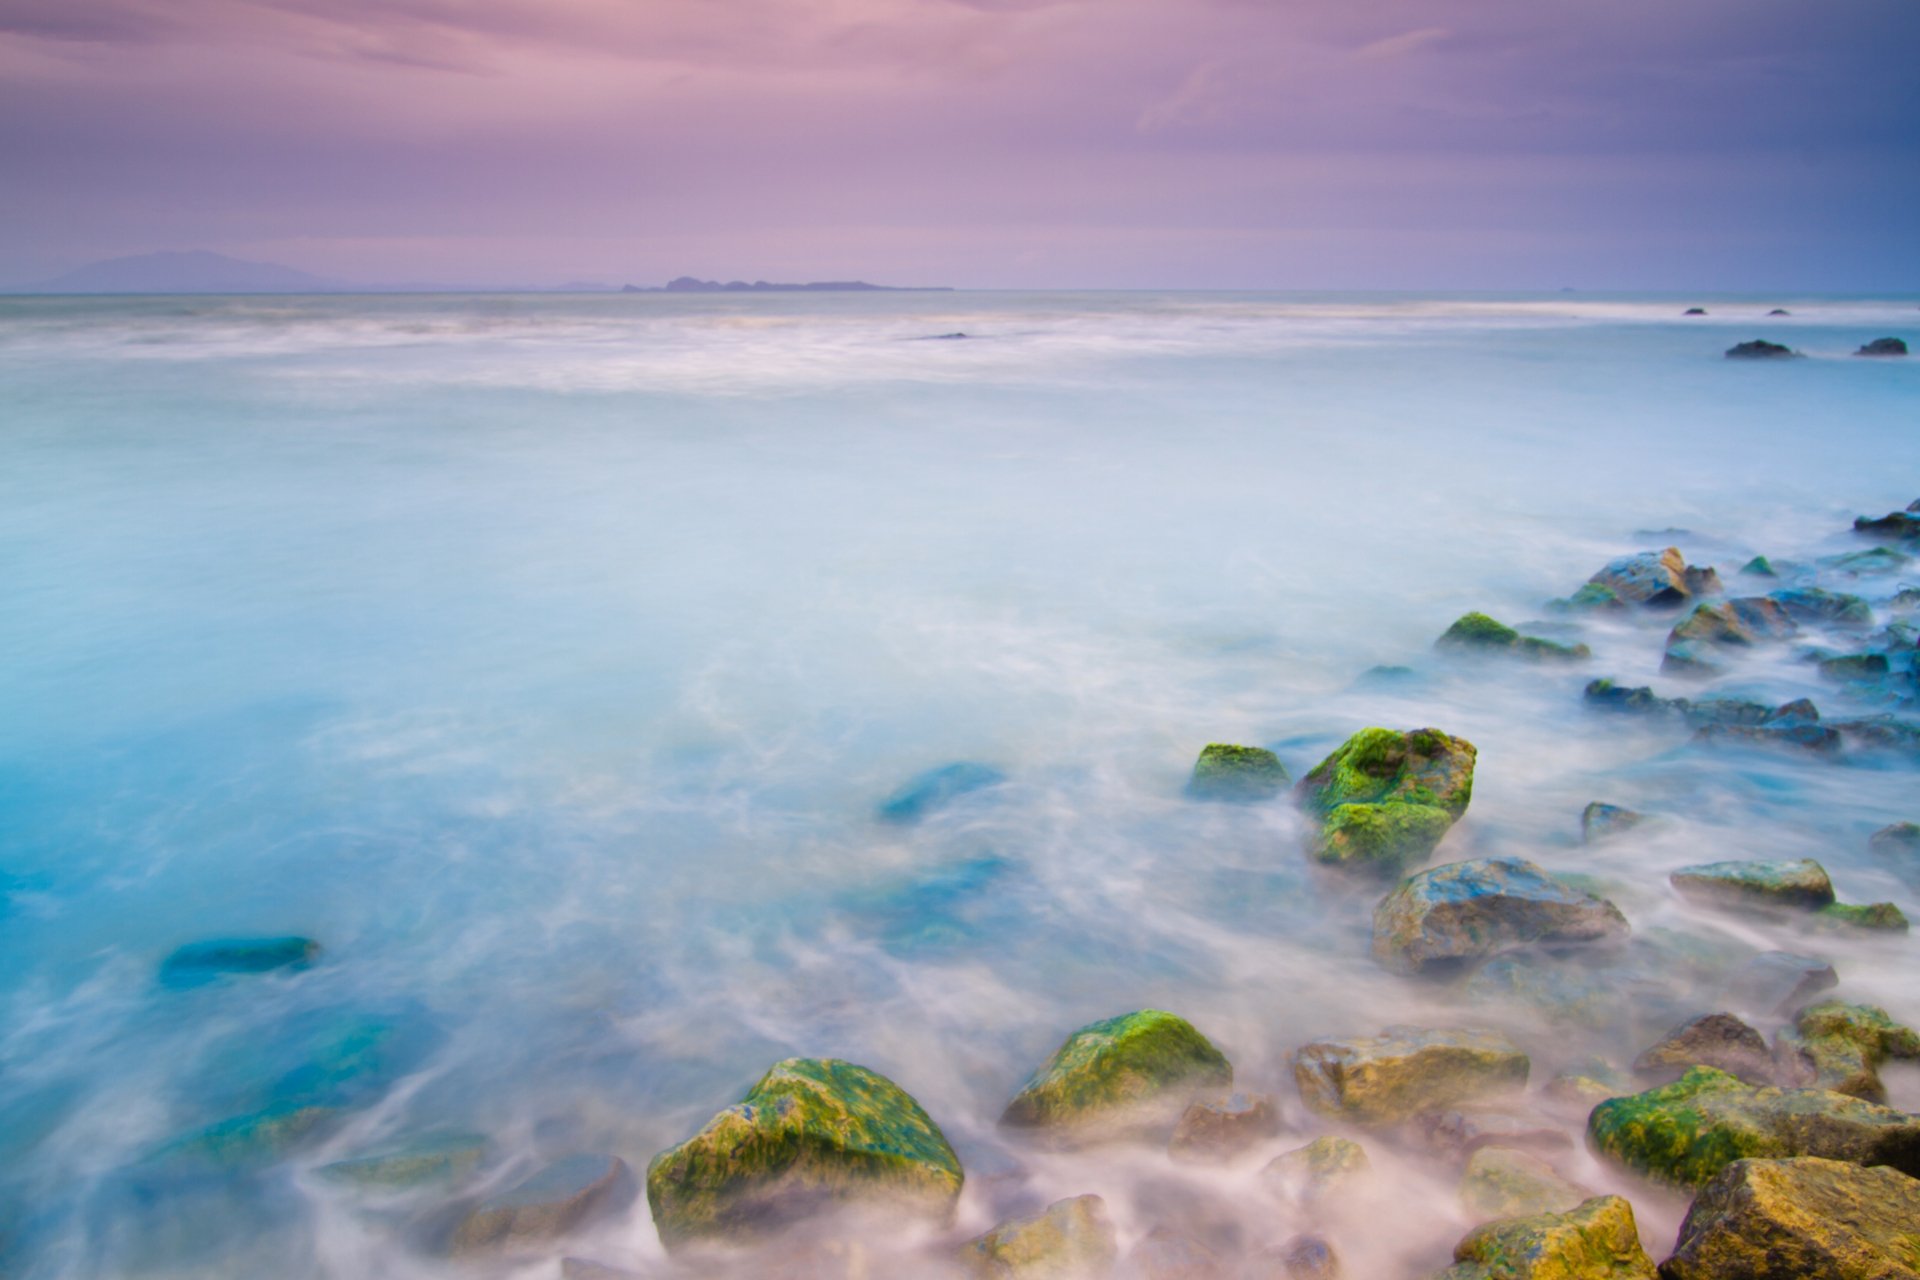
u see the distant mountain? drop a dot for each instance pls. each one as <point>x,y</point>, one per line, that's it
<point>195,271</point>
<point>688,284</point>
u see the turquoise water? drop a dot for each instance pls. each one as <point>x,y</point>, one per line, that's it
<point>545,658</point>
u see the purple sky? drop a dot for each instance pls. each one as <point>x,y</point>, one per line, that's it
<point>1501,144</point>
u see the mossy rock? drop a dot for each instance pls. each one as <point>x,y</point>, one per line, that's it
<point>1503,1183</point>
<point>1390,1078</point>
<point>1478,633</point>
<point>1697,644</point>
<point>1385,798</point>
<point>811,1133</point>
<point>1842,1047</point>
<point>1129,1076</point>
<point>1821,607</point>
<point>1471,910</point>
<point>1872,917</point>
<point>1596,1240</point>
<point>1228,772</point>
<point>1799,884</point>
<point>1686,1132</point>
<point>1070,1240</point>
<point>1323,1168</point>
<point>1802,1219</point>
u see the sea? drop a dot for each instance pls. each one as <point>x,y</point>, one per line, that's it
<point>547,660</point>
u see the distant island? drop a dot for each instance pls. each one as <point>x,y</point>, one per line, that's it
<point>688,284</point>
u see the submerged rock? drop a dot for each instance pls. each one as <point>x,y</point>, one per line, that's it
<point>1214,1130</point>
<point>1471,910</point>
<point>1323,1168</point>
<point>1456,1134</point>
<point>1478,633</point>
<point>433,1159</point>
<point>1775,982</point>
<point>1301,1258</point>
<point>812,1132</point>
<point>925,793</point>
<point>1685,1132</point>
<point>1597,1240</point>
<point>1896,840</point>
<point>1598,821</point>
<point>1895,524</point>
<point>1120,1077</point>
<point>546,1206</point>
<point>1800,1219</point>
<point>1800,885</point>
<point>1694,645</point>
<point>201,962</point>
<point>250,1141</point>
<point>1070,1239</point>
<point>1385,798</point>
<point>1717,1040</point>
<point>1759,349</point>
<point>1842,1047</point>
<point>1883,347</point>
<point>1873,562</point>
<point>1503,1183</point>
<point>1226,772</point>
<point>1392,1077</point>
<point>1166,1254</point>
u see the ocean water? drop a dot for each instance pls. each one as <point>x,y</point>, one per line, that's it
<point>546,658</point>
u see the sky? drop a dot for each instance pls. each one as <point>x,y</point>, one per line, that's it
<point>1272,144</point>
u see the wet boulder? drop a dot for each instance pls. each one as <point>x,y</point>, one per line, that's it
<point>1717,1040</point>
<point>1130,1076</point>
<point>1478,633</point>
<point>1776,982</point>
<point>1896,525</point>
<point>1871,917</point>
<point>1393,1077</point>
<point>1657,579</point>
<point>1609,695</point>
<point>1213,1130</point>
<point>1759,349</point>
<point>1896,840</point>
<point>425,1161</point>
<point>1227,772</point>
<point>1325,1168</point>
<point>1700,642</point>
<point>1685,1132</point>
<point>1467,911</point>
<point>1883,347</point>
<point>1816,606</point>
<point>1069,1240</point>
<point>1384,799</point>
<point>553,1202</point>
<point>1596,1240</point>
<point>926,793</point>
<point>812,1132</point>
<point>1849,667</point>
<point>1800,884</point>
<point>1503,1183</point>
<point>1598,821</point>
<point>198,963</point>
<point>1841,1047</point>
<point>1800,1219</point>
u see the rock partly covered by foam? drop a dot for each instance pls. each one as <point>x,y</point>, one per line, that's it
<point>1596,1240</point>
<point>1469,910</point>
<point>1500,1182</point>
<point>1227,772</point>
<point>1658,579</point>
<point>1759,349</point>
<point>1883,347</point>
<point>1717,1040</point>
<point>1217,1129</point>
<point>1323,1168</point>
<point>1776,982</point>
<point>1600,820</point>
<point>1478,633</point>
<point>926,793</point>
<point>1685,1132</point>
<point>424,1161</point>
<point>812,1131</point>
<point>1125,1076</point>
<point>1895,524</point>
<point>1069,1240</point>
<point>202,962</point>
<point>1799,884</point>
<point>545,1207</point>
<point>1697,645</point>
<point>1839,1046</point>
<point>1802,1219</point>
<point>1385,798</point>
<point>1392,1077</point>
<point>1896,840</point>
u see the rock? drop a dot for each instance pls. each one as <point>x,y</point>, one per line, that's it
<point>585,1269</point>
<point>1226,772</point>
<point>1779,311</point>
<point>1323,1168</point>
<point>1883,347</point>
<point>1819,607</point>
<point>1880,734</point>
<point>1717,1040</point>
<point>1502,1183</point>
<point>1301,1258</point>
<point>1873,562</point>
<point>1801,885</point>
<point>1759,567</point>
<point>546,1206</point>
<point>1759,349</point>
<point>1895,524</point>
<point>1216,1130</point>
<point>1694,311</point>
<point>1606,695</point>
<point>1685,1132</point>
<point>1658,579</point>
<point>1456,1134</point>
<point>201,962</point>
<point>1804,1219</point>
<point>1597,1240</point>
<point>1842,1047</point>
<point>1776,982</point>
<point>1478,633</point>
<point>1855,666</point>
<point>1121,1077</point>
<point>1591,597</point>
<point>1896,840</point>
<point>1694,646</point>
<point>1792,735</point>
<point>924,793</point>
<point>1598,821</point>
<point>1392,1077</point>
<point>1385,798</point>
<point>813,1131</point>
<point>1877,917</point>
<point>1166,1254</point>
<point>1470,910</point>
<point>250,1141</point>
<point>1070,1239</point>
<point>439,1158</point>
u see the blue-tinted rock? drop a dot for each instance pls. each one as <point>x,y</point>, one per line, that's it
<point>437,1158</point>
<point>1598,821</point>
<point>1883,347</point>
<point>1760,349</point>
<point>1471,910</point>
<point>1654,578</point>
<point>544,1208</point>
<point>935,789</point>
<point>1819,607</point>
<point>202,962</point>
<point>1800,884</point>
<point>945,908</point>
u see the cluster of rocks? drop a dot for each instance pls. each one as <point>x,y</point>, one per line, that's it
<point>1761,349</point>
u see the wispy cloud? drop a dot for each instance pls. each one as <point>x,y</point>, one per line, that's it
<point>1403,44</point>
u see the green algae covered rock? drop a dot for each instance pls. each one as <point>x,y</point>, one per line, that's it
<point>1597,1240</point>
<point>813,1131</point>
<point>1227,772</point>
<point>1385,798</point>
<point>1070,1240</point>
<point>1323,1168</point>
<point>1841,1047</point>
<point>1470,910</point>
<point>1800,884</point>
<point>1478,633</point>
<point>1804,1219</point>
<point>1392,1077</point>
<point>1874,917</point>
<point>1121,1077</point>
<point>1686,1132</point>
<point>1500,1182</point>
<point>1696,645</point>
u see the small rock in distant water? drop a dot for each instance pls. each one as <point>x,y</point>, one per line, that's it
<point>1215,1130</point>
<point>1228,772</point>
<point>1899,839</point>
<point>1759,567</point>
<point>1902,525</point>
<point>198,963</point>
<point>1068,1240</point>
<point>1779,311</point>
<point>1759,349</point>
<point>935,789</point>
<point>1599,821</point>
<point>1476,632</point>
<point>1717,1040</point>
<point>1392,1077</point>
<point>1322,1169</point>
<point>1800,1219</point>
<point>949,337</point>
<point>1694,311</point>
<point>1596,1240</point>
<point>546,1206</point>
<point>1470,910</point>
<point>1385,798</point>
<point>1873,562</point>
<point>1800,884</point>
<point>1883,347</point>
<point>1129,1076</point>
<point>1503,1183</point>
<point>1776,982</point>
